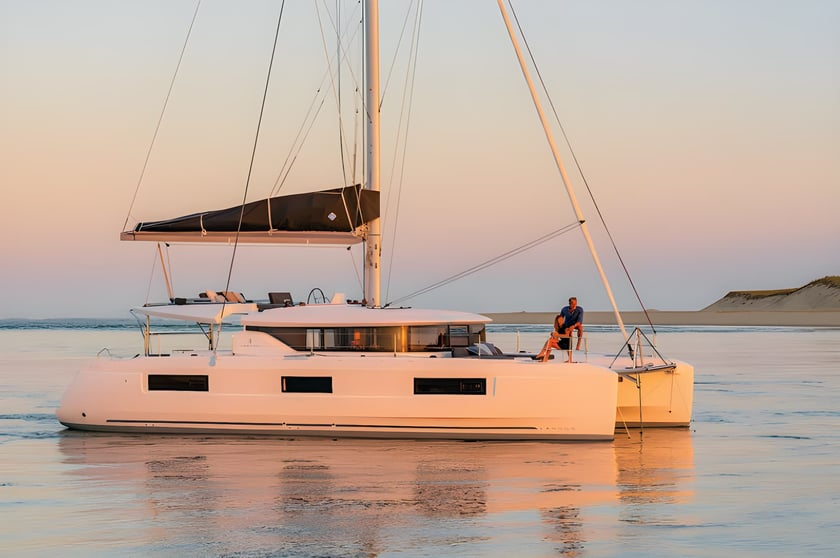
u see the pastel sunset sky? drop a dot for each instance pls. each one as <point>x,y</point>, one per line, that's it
<point>708,132</point>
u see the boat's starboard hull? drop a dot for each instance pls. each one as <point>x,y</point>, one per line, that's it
<point>375,397</point>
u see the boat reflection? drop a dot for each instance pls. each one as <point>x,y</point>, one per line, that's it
<point>370,496</point>
<point>655,466</point>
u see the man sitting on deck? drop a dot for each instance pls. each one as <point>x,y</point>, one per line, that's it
<point>568,320</point>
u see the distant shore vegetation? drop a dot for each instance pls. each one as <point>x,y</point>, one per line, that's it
<point>832,281</point>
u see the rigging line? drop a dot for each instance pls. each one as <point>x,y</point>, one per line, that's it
<point>342,55</point>
<point>356,97</point>
<point>492,261</point>
<point>151,277</point>
<point>251,165</point>
<point>360,215</point>
<point>396,53</point>
<point>297,144</point>
<point>286,168</point>
<point>579,168</point>
<point>347,209</point>
<point>359,280</point>
<point>408,90</point>
<point>169,266</point>
<point>358,134</point>
<point>160,118</point>
<point>354,159</point>
<point>356,138</point>
<point>341,140</point>
<point>336,89</point>
<point>346,56</point>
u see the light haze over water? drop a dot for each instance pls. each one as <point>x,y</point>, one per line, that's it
<point>755,474</point>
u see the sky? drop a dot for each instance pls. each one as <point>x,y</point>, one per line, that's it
<point>708,132</point>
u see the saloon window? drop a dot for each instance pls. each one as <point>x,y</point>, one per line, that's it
<point>377,339</point>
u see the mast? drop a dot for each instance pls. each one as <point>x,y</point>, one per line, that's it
<point>373,246</point>
<point>559,162</point>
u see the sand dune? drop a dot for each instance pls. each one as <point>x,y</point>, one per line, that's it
<point>822,294</point>
<point>815,304</point>
<point>819,318</point>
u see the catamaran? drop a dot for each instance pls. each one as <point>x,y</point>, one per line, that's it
<point>358,368</point>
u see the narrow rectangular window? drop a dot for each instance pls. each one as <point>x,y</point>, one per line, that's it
<point>307,384</point>
<point>450,386</point>
<point>178,382</point>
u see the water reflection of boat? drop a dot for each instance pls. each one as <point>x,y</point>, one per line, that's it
<point>361,494</point>
<point>656,466</point>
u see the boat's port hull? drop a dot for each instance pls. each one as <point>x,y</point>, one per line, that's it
<point>661,398</point>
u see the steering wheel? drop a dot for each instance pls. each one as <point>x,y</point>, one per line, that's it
<point>316,296</point>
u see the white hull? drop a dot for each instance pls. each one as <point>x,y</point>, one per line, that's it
<point>372,396</point>
<point>656,398</point>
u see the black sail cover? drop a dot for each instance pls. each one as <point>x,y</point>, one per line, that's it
<point>339,210</point>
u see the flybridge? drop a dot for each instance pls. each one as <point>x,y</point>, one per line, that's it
<point>334,216</point>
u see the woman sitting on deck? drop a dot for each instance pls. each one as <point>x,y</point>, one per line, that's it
<point>568,320</point>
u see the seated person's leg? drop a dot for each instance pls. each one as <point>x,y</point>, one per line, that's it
<point>545,352</point>
<point>579,328</point>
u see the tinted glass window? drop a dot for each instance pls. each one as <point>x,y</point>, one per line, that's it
<point>178,382</point>
<point>307,384</point>
<point>450,386</point>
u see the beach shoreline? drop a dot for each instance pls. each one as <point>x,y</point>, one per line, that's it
<point>806,318</point>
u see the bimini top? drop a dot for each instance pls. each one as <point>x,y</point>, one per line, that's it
<point>324,217</point>
<point>352,315</point>
<point>204,313</point>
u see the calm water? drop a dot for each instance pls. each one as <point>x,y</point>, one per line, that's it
<point>757,474</point>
